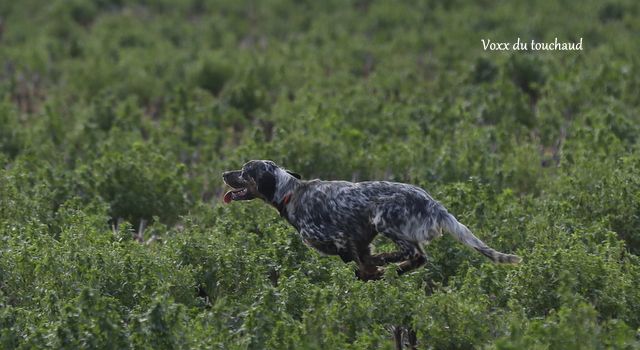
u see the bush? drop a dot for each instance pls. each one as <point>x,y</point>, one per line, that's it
<point>11,134</point>
<point>137,185</point>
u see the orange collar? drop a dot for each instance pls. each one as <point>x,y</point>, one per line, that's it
<point>282,206</point>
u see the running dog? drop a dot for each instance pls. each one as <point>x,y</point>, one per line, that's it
<point>342,218</point>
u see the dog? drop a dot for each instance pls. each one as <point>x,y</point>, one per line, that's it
<point>342,218</point>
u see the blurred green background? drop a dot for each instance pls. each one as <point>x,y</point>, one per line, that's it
<point>117,118</point>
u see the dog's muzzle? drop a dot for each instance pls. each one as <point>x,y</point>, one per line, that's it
<point>240,190</point>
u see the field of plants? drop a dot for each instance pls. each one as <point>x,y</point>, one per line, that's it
<point>117,118</point>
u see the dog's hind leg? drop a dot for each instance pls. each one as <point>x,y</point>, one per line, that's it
<point>387,258</point>
<point>417,258</point>
<point>412,264</point>
<point>398,221</point>
<point>408,251</point>
<point>410,258</point>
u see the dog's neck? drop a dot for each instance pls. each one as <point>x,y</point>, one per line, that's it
<point>286,185</point>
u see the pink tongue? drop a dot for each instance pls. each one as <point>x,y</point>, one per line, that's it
<point>227,197</point>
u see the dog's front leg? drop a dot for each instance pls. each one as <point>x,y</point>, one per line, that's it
<point>366,270</point>
<point>369,272</point>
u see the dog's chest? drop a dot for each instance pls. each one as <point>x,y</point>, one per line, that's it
<point>327,221</point>
<point>323,236</point>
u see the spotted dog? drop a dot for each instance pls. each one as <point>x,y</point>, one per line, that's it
<point>342,218</point>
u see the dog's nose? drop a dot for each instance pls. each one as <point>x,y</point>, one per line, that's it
<point>225,175</point>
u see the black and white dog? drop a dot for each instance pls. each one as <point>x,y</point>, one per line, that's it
<point>342,218</point>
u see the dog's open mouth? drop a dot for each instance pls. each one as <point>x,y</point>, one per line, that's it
<point>237,194</point>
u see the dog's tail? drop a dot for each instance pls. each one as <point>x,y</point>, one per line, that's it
<point>461,233</point>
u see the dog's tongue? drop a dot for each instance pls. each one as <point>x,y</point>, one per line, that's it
<point>227,197</point>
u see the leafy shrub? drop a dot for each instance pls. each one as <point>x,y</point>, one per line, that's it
<point>611,12</point>
<point>11,135</point>
<point>161,326</point>
<point>527,72</point>
<point>596,193</point>
<point>138,185</point>
<point>212,74</point>
<point>572,327</point>
<point>484,70</point>
<point>91,322</point>
<point>599,277</point>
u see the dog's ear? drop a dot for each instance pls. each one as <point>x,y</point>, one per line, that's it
<point>267,185</point>
<point>296,175</point>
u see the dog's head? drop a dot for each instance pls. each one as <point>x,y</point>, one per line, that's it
<point>257,179</point>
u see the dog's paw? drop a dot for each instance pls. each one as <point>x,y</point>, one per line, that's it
<point>371,274</point>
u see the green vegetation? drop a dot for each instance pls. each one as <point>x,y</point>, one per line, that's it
<point>117,118</point>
